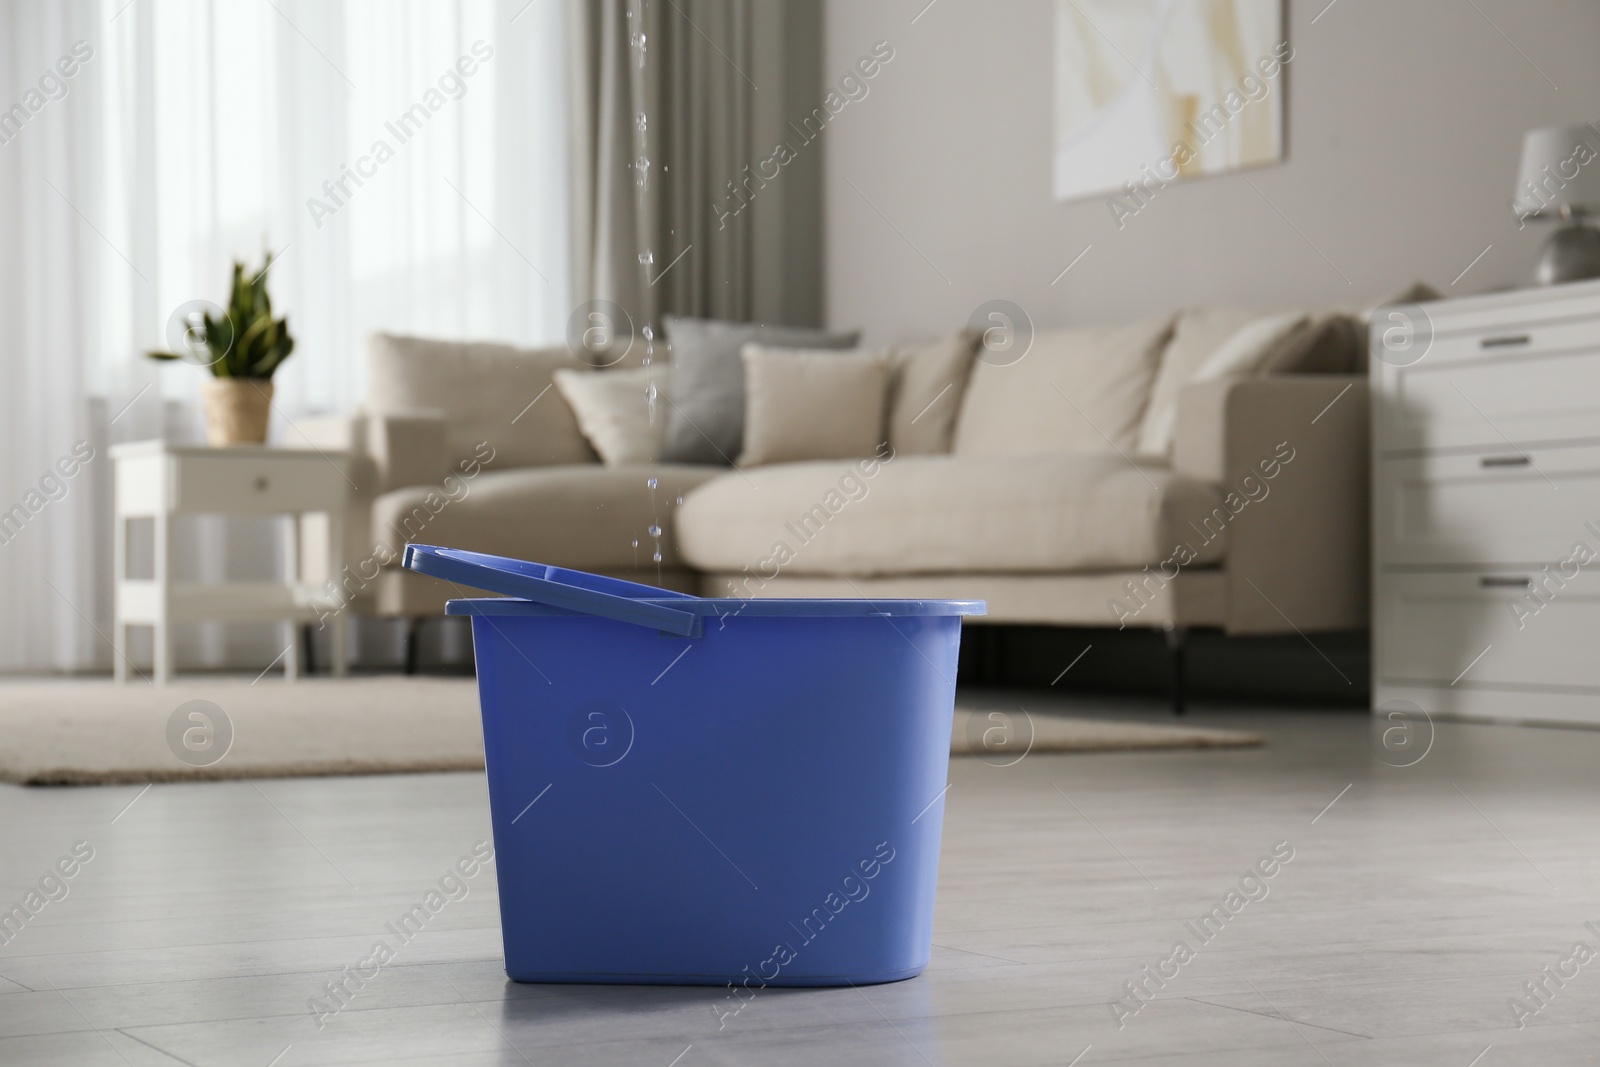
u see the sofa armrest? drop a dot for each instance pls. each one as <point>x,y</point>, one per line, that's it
<point>331,433</point>
<point>408,447</point>
<point>1290,454</point>
<point>386,451</point>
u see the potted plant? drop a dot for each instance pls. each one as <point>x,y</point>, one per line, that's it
<point>242,348</point>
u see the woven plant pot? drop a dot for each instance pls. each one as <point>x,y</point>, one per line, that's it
<point>237,410</point>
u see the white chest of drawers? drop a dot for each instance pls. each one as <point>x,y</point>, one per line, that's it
<point>1486,506</point>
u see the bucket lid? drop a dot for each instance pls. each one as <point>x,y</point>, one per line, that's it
<point>539,589</point>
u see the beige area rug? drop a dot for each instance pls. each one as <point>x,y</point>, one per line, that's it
<point>1009,734</point>
<point>96,732</point>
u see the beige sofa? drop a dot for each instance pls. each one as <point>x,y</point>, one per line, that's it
<point>1041,502</point>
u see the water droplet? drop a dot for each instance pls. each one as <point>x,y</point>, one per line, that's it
<point>651,482</point>
<point>647,257</point>
<point>649,334</point>
<point>655,531</point>
<point>642,165</point>
<point>680,500</point>
<point>643,121</point>
<point>635,542</point>
<point>650,392</point>
<point>658,557</point>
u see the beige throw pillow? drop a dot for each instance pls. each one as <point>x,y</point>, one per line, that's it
<point>1074,390</point>
<point>613,411</point>
<point>803,404</point>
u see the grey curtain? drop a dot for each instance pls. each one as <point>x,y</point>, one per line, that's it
<point>730,231</point>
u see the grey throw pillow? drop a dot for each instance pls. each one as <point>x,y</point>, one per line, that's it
<point>705,419</point>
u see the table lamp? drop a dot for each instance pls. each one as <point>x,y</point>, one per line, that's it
<point>1560,178</point>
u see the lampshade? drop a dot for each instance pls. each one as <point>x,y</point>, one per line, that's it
<point>1560,169</point>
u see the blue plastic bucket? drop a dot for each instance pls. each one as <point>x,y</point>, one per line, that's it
<point>701,791</point>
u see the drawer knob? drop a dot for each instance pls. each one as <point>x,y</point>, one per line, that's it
<point>1518,460</point>
<point>1495,581</point>
<point>1508,341</point>
<point>261,484</point>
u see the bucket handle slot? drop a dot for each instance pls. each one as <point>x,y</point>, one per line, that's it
<point>556,587</point>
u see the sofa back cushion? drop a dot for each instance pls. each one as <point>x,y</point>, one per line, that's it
<point>1333,342</point>
<point>487,392</point>
<point>1197,333</point>
<point>930,378</point>
<point>1073,390</point>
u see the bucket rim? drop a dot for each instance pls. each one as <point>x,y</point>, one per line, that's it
<point>752,607</point>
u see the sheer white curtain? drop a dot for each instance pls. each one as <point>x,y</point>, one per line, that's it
<point>406,160</point>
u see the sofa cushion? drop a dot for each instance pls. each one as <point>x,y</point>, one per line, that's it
<point>930,379</point>
<point>1197,333</point>
<point>613,411</point>
<point>802,404</point>
<point>1333,342</point>
<point>1074,390</point>
<point>585,516</point>
<point>1251,350</point>
<point>705,415</point>
<point>949,514</point>
<point>487,392</point>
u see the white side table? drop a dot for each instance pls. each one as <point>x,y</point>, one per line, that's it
<point>159,480</point>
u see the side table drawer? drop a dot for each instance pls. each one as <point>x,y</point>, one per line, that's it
<point>1433,627</point>
<point>1506,506</point>
<point>237,484</point>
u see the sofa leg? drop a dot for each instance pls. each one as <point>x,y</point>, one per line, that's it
<point>992,655</point>
<point>412,626</point>
<point>1175,636</point>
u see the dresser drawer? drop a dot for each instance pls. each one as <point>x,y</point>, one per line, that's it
<point>1506,506</point>
<point>1526,396</point>
<point>255,483</point>
<point>1488,628</point>
<point>1513,340</point>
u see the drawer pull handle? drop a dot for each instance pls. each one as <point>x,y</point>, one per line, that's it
<point>1508,341</point>
<point>1492,581</point>
<point>1518,460</point>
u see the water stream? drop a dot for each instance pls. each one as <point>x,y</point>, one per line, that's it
<point>638,40</point>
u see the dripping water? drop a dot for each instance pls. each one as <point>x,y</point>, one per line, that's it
<point>655,528</point>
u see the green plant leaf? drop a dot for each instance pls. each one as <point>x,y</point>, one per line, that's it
<point>247,342</point>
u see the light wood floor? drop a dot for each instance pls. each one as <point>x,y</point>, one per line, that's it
<point>1414,909</point>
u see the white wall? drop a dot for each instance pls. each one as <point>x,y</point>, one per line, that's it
<point>1404,126</point>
